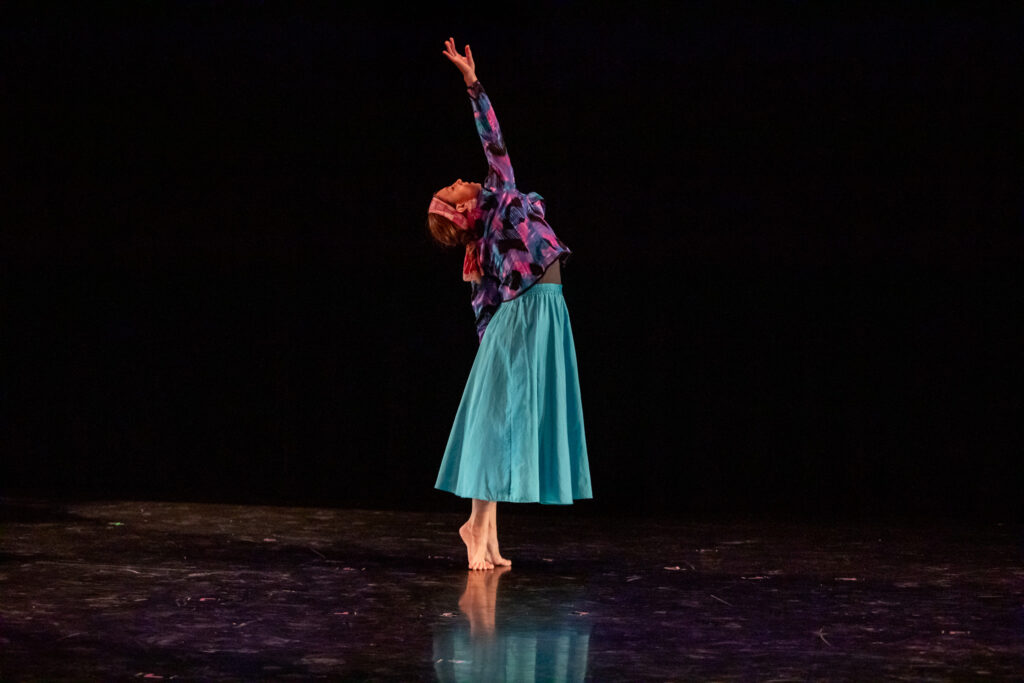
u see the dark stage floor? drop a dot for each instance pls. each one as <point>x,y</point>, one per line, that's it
<point>116,590</point>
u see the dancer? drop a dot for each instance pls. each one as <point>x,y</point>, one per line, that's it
<point>518,434</point>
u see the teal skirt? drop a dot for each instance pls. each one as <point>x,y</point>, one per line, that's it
<point>518,434</point>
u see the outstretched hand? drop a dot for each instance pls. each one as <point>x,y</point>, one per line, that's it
<point>464,63</point>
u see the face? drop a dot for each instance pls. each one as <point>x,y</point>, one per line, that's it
<point>458,192</point>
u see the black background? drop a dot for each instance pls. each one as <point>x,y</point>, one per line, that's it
<point>795,286</point>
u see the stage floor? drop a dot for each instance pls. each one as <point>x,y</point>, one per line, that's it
<point>157,590</point>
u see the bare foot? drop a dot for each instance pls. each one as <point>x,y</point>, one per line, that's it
<point>493,555</point>
<point>476,548</point>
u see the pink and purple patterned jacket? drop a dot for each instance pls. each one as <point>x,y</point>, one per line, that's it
<point>516,244</point>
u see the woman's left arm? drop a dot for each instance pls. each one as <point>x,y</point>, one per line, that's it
<point>483,117</point>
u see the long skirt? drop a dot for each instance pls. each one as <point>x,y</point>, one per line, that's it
<point>518,434</point>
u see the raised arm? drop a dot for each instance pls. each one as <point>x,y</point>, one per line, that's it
<point>483,116</point>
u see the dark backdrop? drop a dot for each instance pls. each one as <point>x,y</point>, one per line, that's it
<point>795,285</point>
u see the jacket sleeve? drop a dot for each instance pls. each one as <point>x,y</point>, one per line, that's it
<point>500,174</point>
<point>486,299</point>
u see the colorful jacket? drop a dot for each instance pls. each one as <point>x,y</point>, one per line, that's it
<point>516,244</point>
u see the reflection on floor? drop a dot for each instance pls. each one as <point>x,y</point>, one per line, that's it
<point>534,637</point>
<point>113,590</point>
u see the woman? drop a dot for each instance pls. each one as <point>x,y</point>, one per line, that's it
<point>518,434</point>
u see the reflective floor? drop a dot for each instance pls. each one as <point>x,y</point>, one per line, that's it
<point>115,590</point>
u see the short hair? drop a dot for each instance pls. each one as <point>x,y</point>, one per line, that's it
<point>447,233</point>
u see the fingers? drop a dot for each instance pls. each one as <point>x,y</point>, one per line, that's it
<point>465,64</point>
<point>451,51</point>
